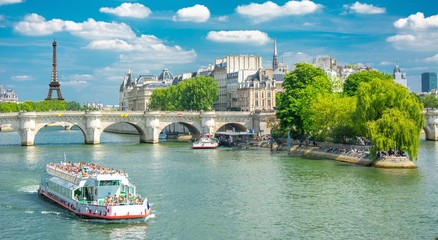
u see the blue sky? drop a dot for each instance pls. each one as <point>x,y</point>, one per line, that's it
<point>98,41</point>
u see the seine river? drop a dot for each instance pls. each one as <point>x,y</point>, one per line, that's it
<point>222,193</point>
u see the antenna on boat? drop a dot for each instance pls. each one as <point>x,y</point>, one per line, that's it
<point>65,157</point>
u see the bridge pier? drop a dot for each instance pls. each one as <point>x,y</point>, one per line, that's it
<point>27,129</point>
<point>93,132</point>
<point>431,124</point>
<point>152,131</point>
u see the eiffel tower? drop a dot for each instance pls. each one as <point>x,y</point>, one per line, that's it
<point>54,84</point>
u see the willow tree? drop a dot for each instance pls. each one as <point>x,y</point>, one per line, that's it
<point>331,118</point>
<point>301,87</point>
<point>352,82</point>
<point>389,115</point>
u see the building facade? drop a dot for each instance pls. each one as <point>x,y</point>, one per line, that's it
<point>7,95</point>
<point>135,95</point>
<point>428,81</point>
<point>399,76</point>
<point>222,70</point>
<point>257,92</point>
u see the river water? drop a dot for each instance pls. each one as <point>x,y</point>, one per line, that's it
<point>222,193</point>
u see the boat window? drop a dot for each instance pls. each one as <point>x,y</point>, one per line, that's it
<point>109,183</point>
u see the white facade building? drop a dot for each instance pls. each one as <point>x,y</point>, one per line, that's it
<point>232,64</point>
<point>135,95</point>
<point>399,76</point>
<point>7,96</point>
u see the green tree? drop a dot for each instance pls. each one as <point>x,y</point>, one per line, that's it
<point>50,105</point>
<point>430,101</point>
<point>352,82</point>
<point>72,106</point>
<point>331,117</point>
<point>197,93</point>
<point>301,87</point>
<point>26,106</point>
<point>389,115</point>
<point>9,107</point>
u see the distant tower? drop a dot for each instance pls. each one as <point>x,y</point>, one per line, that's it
<point>54,84</point>
<point>275,57</point>
<point>399,76</point>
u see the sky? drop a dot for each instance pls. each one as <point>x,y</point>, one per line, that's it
<point>99,41</point>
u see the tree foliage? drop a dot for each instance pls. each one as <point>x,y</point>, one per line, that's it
<point>29,106</point>
<point>353,81</point>
<point>73,106</point>
<point>331,118</point>
<point>430,101</point>
<point>385,111</point>
<point>197,94</point>
<point>301,87</point>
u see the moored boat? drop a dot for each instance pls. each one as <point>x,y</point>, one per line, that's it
<point>93,191</point>
<point>206,142</point>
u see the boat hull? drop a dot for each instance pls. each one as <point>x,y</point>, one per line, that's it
<point>97,211</point>
<point>204,147</point>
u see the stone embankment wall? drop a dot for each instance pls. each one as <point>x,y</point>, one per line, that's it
<point>358,156</point>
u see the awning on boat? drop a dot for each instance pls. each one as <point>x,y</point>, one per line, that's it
<point>66,184</point>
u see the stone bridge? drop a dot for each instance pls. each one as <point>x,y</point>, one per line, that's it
<point>431,124</point>
<point>148,124</point>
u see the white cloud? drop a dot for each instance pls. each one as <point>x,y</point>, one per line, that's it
<point>434,58</point>
<point>269,10</point>
<point>5,2</point>
<point>133,10</point>
<point>74,83</point>
<point>21,78</point>
<point>223,19</point>
<point>363,8</point>
<point>417,21</point>
<point>386,63</point>
<point>91,29</point>
<point>253,37</point>
<point>145,48</point>
<point>36,25</point>
<point>416,33</point>
<point>197,13</point>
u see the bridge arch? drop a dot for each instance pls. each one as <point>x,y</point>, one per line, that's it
<point>235,127</point>
<point>193,128</point>
<point>54,123</point>
<point>137,126</point>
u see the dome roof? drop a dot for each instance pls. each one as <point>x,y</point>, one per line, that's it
<point>166,75</point>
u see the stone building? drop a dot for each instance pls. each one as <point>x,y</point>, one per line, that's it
<point>244,85</point>
<point>7,95</point>
<point>399,76</point>
<point>135,95</point>
<point>227,67</point>
<point>256,92</point>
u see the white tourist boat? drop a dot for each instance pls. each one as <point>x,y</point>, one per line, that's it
<point>205,142</point>
<point>93,191</point>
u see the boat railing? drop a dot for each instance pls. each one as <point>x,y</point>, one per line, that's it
<point>77,176</point>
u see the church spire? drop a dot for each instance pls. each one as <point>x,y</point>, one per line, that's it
<point>275,57</point>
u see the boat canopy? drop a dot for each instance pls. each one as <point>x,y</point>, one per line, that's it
<point>66,184</point>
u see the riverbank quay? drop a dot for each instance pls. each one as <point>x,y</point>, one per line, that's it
<point>352,155</point>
